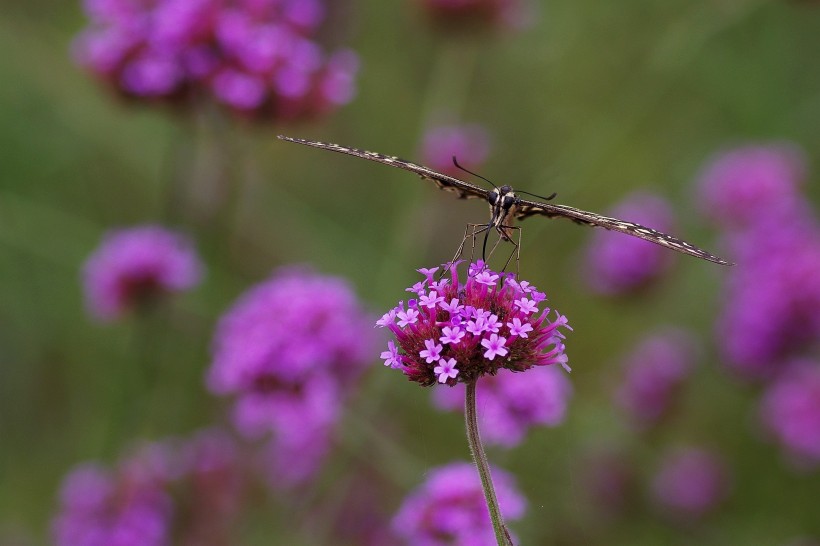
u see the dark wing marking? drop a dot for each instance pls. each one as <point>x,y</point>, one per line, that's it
<point>463,190</point>
<point>525,209</point>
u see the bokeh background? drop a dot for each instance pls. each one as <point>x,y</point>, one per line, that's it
<point>593,100</point>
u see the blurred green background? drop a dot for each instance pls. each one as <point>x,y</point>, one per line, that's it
<point>594,100</point>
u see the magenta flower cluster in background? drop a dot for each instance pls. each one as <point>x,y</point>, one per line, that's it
<point>690,483</point>
<point>134,266</point>
<point>654,374</point>
<point>512,403</point>
<point>772,299</point>
<point>456,332</point>
<point>289,350</point>
<point>179,491</point>
<point>449,508</point>
<point>469,144</point>
<point>256,57</point>
<point>616,264</point>
<point>507,14</point>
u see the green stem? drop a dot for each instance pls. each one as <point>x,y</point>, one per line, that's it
<point>502,536</point>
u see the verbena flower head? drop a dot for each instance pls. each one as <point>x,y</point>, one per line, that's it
<point>616,264</point>
<point>133,266</point>
<point>289,350</point>
<point>257,58</point>
<point>449,508</point>
<point>742,185</point>
<point>654,375</point>
<point>512,403</point>
<point>469,144</point>
<point>771,308</point>
<point>790,412</point>
<point>454,332</point>
<point>691,483</point>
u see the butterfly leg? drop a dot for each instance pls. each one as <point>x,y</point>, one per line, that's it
<point>516,251</point>
<point>470,232</point>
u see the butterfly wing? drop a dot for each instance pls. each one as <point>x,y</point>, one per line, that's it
<point>463,190</point>
<point>526,208</point>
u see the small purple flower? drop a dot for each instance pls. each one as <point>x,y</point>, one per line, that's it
<point>487,277</point>
<point>387,319</point>
<point>407,317</point>
<point>449,508</point>
<point>690,483</point>
<point>495,346</point>
<point>430,301</point>
<point>790,412</point>
<point>432,351</point>
<point>391,356</point>
<point>512,403</point>
<point>616,264</point>
<point>446,369</point>
<point>654,375</point>
<point>470,144</point>
<point>517,328</point>
<point>133,266</point>
<point>742,185</point>
<point>290,350</point>
<point>452,334</point>
<point>476,326</point>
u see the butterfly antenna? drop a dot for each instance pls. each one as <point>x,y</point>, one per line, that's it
<point>455,162</point>
<point>550,198</point>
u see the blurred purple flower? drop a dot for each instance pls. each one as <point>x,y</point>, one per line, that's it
<point>616,264</point>
<point>772,299</point>
<point>258,58</point>
<point>133,266</point>
<point>740,186</point>
<point>609,482</point>
<point>469,144</point>
<point>173,492</point>
<point>654,374</point>
<point>98,508</point>
<point>486,307</point>
<point>690,484</point>
<point>508,14</point>
<point>511,403</point>
<point>790,412</point>
<point>289,349</point>
<point>449,508</point>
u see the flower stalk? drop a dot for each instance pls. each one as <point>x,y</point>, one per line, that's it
<point>502,536</point>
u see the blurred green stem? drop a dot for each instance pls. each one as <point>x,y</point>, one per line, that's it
<point>502,536</point>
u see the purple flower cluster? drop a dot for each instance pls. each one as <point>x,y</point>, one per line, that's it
<point>790,412</point>
<point>512,403</point>
<point>131,267</point>
<point>479,13</point>
<point>469,144</point>
<point>691,483</point>
<point>772,298</point>
<point>290,349</point>
<point>654,375</point>
<point>257,57</point>
<point>616,264</point>
<point>740,186</point>
<point>456,332</point>
<point>138,503</point>
<point>449,508</point>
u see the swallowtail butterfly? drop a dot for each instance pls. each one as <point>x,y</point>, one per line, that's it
<point>504,204</point>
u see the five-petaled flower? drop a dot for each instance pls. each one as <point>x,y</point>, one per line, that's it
<point>488,322</point>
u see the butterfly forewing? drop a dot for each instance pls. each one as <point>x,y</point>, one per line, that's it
<point>523,208</point>
<point>464,190</point>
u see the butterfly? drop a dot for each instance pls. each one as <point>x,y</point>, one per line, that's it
<point>505,204</point>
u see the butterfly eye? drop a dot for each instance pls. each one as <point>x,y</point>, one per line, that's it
<point>508,202</point>
<point>492,197</point>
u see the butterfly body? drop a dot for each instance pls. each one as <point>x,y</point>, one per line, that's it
<point>505,205</point>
